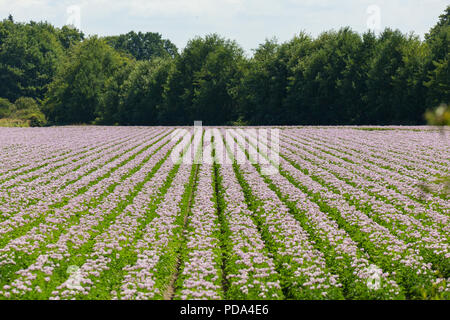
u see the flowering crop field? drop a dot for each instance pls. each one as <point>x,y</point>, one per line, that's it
<point>182,213</point>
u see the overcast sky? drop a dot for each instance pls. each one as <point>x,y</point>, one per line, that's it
<point>249,22</point>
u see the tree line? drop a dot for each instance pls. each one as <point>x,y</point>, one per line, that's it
<point>59,76</point>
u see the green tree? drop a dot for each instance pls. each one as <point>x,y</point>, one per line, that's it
<point>340,77</point>
<point>68,36</point>
<point>327,79</point>
<point>141,94</point>
<point>25,110</point>
<point>75,94</point>
<point>395,80</point>
<point>29,54</point>
<point>438,82</point>
<point>263,85</point>
<point>143,46</point>
<point>24,103</point>
<point>203,83</point>
<point>6,108</point>
<point>110,111</point>
<point>408,83</point>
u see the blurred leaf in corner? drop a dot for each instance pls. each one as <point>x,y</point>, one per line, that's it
<point>439,117</point>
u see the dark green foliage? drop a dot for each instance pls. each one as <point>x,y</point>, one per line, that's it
<point>36,120</point>
<point>143,46</point>
<point>395,90</point>
<point>24,103</point>
<point>135,94</point>
<point>111,100</point>
<point>75,94</point>
<point>339,78</point>
<point>24,110</point>
<point>438,40</point>
<point>203,83</point>
<point>327,78</point>
<point>28,58</point>
<point>142,92</point>
<point>6,108</point>
<point>264,85</point>
<point>27,109</point>
<point>68,36</point>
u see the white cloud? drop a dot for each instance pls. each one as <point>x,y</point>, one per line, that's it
<point>247,21</point>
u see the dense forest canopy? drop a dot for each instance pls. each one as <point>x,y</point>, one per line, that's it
<point>58,76</point>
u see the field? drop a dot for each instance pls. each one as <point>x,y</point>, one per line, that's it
<point>155,213</point>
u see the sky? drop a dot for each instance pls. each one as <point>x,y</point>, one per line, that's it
<point>249,22</point>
